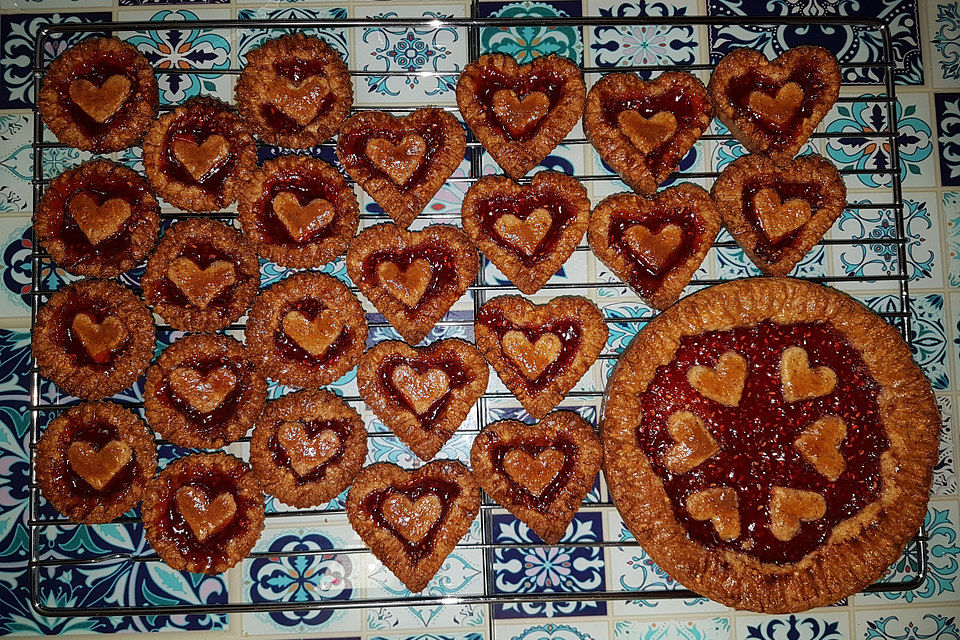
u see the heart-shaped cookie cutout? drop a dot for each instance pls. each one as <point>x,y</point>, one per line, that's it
<point>532,358</point>
<point>800,380</point>
<point>307,454</point>
<point>313,335</point>
<point>819,444</point>
<point>779,219</point>
<point>790,507</point>
<point>99,467</point>
<point>654,249</point>
<point>694,443</point>
<point>722,383</point>
<point>524,235</point>
<point>201,286</point>
<point>779,109</point>
<point>399,161</point>
<point>200,160</point>
<point>205,517</point>
<point>203,392</point>
<point>719,505</point>
<point>533,473</point>
<point>421,390</point>
<point>302,220</point>
<point>646,134</point>
<point>100,103</point>
<point>300,101</point>
<point>412,519</point>
<point>98,222</point>
<point>101,339</point>
<point>406,284</point>
<point>518,116</point>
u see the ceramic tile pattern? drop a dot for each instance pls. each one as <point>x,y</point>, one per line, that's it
<point>926,39</point>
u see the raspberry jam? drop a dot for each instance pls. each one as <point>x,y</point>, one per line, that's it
<point>98,310</point>
<point>288,348</point>
<point>312,430</point>
<point>456,375</point>
<point>200,121</point>
<point>546,81</point>
<point>522,205</point>
<point>534,447</point>
<point>809,191</point>
<point>756,438</point>
<point>98,435</point>
<point>97,70</point>
<point>442,276</point>
<point>203,254</point>
<point>307,188</point>
<point>445,490</point>
<point>210,424</point>
<point>352,147</point>
<point>810,80</point>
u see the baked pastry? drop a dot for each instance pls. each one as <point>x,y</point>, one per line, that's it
<point>203,513</point>
<point>423,394</point>
<point>412,277</point>
<point>777,214</point>
<point>100,96</point>
<point>644,129</point>
<point>540,472</point>
<point>520,113</point>
<point>401,162</point>
<point>655,245</point>
<point>93,338</point>
<point>203,392</point>
<point>298,212</point>
<point>769,442</point>
<point>412,520</point>
<point>527,231</point>
<point>199,156</point>
<point>306,331</point>
<point>202,277</point>
<point>93,462</point>
<point>540,351</point>
<point>99,219</point>
<point>294,91</point>
<point>307,448</point>
<point>772,107</point>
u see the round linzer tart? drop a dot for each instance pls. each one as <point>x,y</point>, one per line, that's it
<point>94,461</point>
<point>204,512</point>
<point>99,96</point>
<point>769,442</point>
<point>99,219</point>
<point>93,338</point>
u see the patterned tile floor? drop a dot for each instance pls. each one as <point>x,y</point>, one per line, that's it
<point>927,42</point>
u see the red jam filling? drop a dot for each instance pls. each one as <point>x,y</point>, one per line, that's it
<point>756,438</point>
<point>546,81</point>
<point>354,147</point>
<point>444,490</point>
<point>98,435</point>
<point>296,70</point>
<point>442,276</point>
<point>203,254</point>
<point>98,69</point>
<point>288,348</point>
<point>199,123</point>
<point>457,377</point>
<point>210,424</point>
<point>98,310</point>
<point>561,211</point>
<point>809,191</point>
<point>810,80</point>
<point>519,494</point>
<point>312,430</point>
<point>307,188</point>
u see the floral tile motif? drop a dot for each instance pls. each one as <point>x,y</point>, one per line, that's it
<point>16,163</point>
<point>250,39</point>
<point>137,3</point>
<point>582,630</point>
<point>945,474</point>
<point>944,23</point>
<point>414,618</point>
<point>928,341</point>
<point>732,263</point>
<point>646,45</point>
<point>951,219</point>
<point>707,629</point>
<point>527,43</point>
<point>908,624</point>
<point>948,137</point>
<point>14,300</point>
<point>473,635</point>
<point>805,626</point>
<point>852,44</point>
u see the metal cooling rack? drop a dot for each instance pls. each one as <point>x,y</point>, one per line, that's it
<point>48,568</point>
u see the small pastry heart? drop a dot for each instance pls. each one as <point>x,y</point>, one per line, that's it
<point>421,390</point>
<point>99,339</point>
<point>98,222</point>
<point>520,113</point>
<point>306,453</point>
<point>204,392</point>
<point>201,159</point>
<point>777,214</point>
<point>99,467</point>
<point>412,277</point>
<point>656,244</point>
<point>299,101</point>
<point>540,472</point>
<point>644,129</point>
<point>302,221</point>
<point>790,507</point>
<point>772,107</point>
<point>819,444</point>
<point>201,286</point>
<point>800,381</point>
<point>719,505</point>
<point>205,517</point>
<point>412,520</point>
<point>540,351</point>
<point>527,231</point>
<point>100,103</point>
<point>694,443</point>
<point>401,162</point>
<point>314,336</point>
<point>723,383</point>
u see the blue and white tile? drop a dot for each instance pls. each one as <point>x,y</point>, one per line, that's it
<point>928,341</point>
<point>803,626</point>
<point>16,268</point>
<point>527,43</point>
<point>580,630</point>
<point>564,158</point>
<point>394,619</point>
<point>440,635</point>
<point>16,163</point>
<point>943,20</point>
<point>947,107</point>
<point>955,325</point>
<point>248,39</point>
<point>945,473</point>
<point>690,629</point>
<point>950,208</point>
<point>908,624</point>
<point>137,3</point>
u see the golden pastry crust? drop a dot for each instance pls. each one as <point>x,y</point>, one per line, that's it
<point>294,433</point>
<point>860,547</point>
<point>657,264</point>
<point>750,174</point>
<point>414,562</point>
<point>401,162</point>
<point>82,79</point>
<point>98,424</point>
<point>412,277</point>
<point>298,212</point>
<point>302,108</point>
<point>444,379</point>
<point>540,472</point>
<point>644,129</point>
<point>118,327</point>
<point>554,80</point>
<point>529,249</point>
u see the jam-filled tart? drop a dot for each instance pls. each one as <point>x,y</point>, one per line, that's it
<point>202,277</point>
<point>769,442</point>
<point>203,392</point>
<point>200,155</point>
<point>412,520</point>
<point>527,231</point>
<point>204,512</point>
<point>294,91</point>
<point>307,330</point>
<point>423,394</point>
<point>93,338</point>
<point>100,96</point>
<point>540,472</point>
<point>99,219</point>
<point>93,462</point>
<point>307,447</point>
<point>298,211</point>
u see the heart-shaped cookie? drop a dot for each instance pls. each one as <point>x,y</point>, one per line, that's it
<point>302,100</point>
<point>302,220</point>
<point>527,231</point>
<point>204,391</point>
<point>777,214</point>
<point>772,107</point>
<point>401,162</point>
<point>316,334</point>
<point>423,394</point>
<point>306,452</point>
<point>98,222</point>
<point>100,339</point>
<point>200,160</point>
<point>540,351</point>
<point>520,113</point>
<point>412,520</point>
<point>412,277</point>
<point>644,129</point>
<point>800,380</point>
<point>201,286</point>
<point>204,516</point>
<point>656,244</point>
<point>540,472</point>
<point>101,103</point>
<point>99,466</point>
